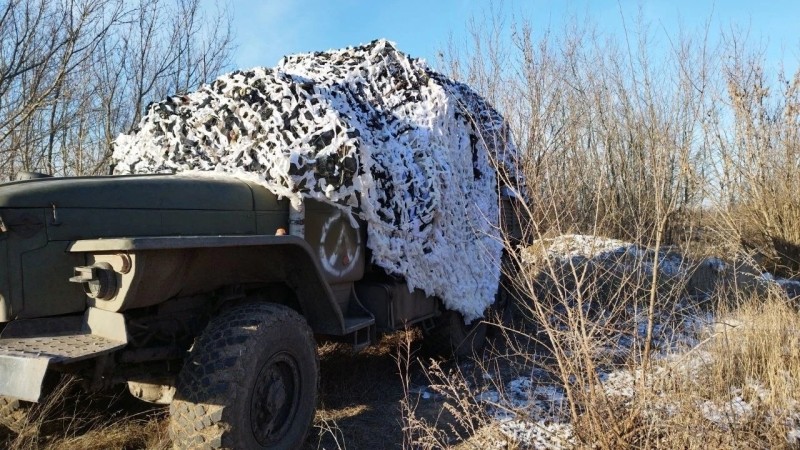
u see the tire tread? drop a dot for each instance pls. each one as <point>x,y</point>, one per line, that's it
<point>197,415</point>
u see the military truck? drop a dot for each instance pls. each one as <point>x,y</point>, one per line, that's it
<point>207,294</point>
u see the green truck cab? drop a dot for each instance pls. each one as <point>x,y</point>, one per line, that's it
<point>205,293</point>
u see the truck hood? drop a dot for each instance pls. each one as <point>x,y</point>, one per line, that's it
<point>138,192</point>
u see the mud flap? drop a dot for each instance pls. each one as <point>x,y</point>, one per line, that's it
<point>28,347</point>
<point>21,377</point>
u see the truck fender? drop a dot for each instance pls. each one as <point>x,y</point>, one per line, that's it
<point>150,270</point>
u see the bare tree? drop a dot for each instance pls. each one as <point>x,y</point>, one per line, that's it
<point>76,73</point>
<point>758,146</point>
<point>161,49</point>
<point>42,43</point>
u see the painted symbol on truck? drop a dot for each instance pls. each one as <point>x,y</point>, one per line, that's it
<point>340,245</point>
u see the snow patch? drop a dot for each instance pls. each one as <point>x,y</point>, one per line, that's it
<point>726,414</point>
<point>535,416</point>
<point>620,256</point>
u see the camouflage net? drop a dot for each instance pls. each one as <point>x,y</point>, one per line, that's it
<point>368,129</point>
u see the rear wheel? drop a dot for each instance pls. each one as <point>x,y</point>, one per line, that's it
<point>450,336</point>
<point>500,313</point>
<point>250,382</point>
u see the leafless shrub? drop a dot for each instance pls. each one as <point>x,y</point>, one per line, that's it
<point>687,153</point>
<point>606,131</point>
<point>759,155</point>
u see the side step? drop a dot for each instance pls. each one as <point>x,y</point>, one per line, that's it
<point>359,323</point>
<point>28,347</point>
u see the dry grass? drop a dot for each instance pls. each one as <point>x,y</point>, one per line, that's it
<point>736,386</point>
<point>736,389</point>
<point>127,434</point>
<point>760,341</point>
<point>689,399</point>
<point>70,419</point>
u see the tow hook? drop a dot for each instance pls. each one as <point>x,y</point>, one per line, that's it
<point>99,280</point>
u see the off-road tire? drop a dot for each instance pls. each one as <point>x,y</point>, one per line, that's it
<point>451,337</point>
<point>250,382</point>
<point>13,413</point>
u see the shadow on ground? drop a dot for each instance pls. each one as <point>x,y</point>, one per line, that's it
<point>359,398</point>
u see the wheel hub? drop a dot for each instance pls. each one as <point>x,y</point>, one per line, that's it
<point>275,397</point>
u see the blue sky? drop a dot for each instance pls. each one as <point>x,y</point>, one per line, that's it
<point>268,29</point>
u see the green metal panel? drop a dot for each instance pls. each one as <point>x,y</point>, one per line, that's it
<point>46,287</point>
<point>74,223</point>
<point>60,210</point>
<point>129,192</point>
<point>26,232</point>
<point>80,223</point>
<point>264,200</point>
<point>217,260</point>
<point>339,246</point>
<point>183,222</point>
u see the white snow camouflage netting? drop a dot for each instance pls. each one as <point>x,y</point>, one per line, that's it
<point>368,129</point>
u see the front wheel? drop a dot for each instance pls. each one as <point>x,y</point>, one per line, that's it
<point>250,382</point>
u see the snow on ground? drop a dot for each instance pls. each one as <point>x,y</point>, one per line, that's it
<point>620,256</point>
<point>367,129</point>
<point>534,413</point>
<point>586,246</point>
<point>792,287</point>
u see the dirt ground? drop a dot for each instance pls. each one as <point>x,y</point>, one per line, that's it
<point>359,397</point>
<point>361,393</point>
<point>359,406</point>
